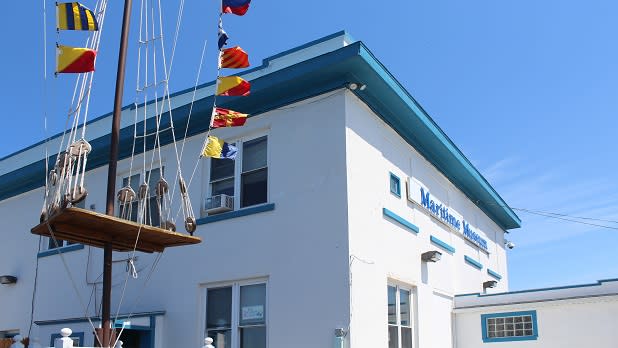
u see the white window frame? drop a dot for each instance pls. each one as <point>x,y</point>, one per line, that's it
<point>239,142</point>
<point>235,327</point>
<point>412,311</point>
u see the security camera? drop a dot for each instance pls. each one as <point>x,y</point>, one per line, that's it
<point>509,244</point>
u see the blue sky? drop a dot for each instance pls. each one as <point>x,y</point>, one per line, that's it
<point>527,89</point>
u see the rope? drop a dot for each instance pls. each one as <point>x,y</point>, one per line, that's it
<point>66,267</point>
<point>140,292</point>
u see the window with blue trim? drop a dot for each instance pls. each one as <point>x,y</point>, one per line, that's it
<point>395,185</point>
<point>514,326</point>
<point>245,179</point>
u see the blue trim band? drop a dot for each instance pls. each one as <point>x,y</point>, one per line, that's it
<point>395,190</point>
<point>405,223</point>
<point>535,328</point>
<point>473,262</point>
<point>236,213</point>
<point>494,274</point>
<point>64,249</point>
<point>442,244</point>
<point>85,320</point>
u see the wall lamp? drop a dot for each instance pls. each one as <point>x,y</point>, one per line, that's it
<point>8,279</point>
<point>431,256</point>
<point>490,284</point>
<point>354,86</point>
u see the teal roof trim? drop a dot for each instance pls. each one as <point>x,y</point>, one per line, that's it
<point>312,77</point>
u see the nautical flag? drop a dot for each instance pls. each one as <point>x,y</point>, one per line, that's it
<point>218,148</point>
<point>222,38</point>
<point>227,118</point>
<point>234,58</point>
<point>237,7</point>
<point>75,16</point>
<point>75,59</point>
<point>233,86</point>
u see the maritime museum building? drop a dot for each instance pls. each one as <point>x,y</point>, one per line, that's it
<point>347,219</point>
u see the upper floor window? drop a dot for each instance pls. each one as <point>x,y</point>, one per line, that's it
<point>150,212</point>
<point>395,184</point>
<point>246,178</point>
<point>236,315</point>
<point>62,243</point>
<point>399,317</point>
<point>513,326</point>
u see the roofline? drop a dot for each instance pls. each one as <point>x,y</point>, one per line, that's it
<point>331,70</point>
<point>598,283</point>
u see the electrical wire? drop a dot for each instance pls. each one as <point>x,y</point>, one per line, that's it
<point>563,215</point>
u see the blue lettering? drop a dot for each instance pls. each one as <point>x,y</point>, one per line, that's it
<point>473,236</point>
<point>424,198</point>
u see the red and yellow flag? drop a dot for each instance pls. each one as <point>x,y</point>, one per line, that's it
<point>75,60</point>
<point>233,86</point>
<point>234,58</point>
<point>227,118</point>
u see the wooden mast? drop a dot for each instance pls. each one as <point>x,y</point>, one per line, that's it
<point>104,230</point>
<point>111,174</point>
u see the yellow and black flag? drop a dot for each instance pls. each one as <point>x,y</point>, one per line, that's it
<point>75,16</point>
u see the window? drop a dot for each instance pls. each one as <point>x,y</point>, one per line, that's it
<point>77,337</point>
<point>236,315</point>
<point>64,243</point>
<point>395,185</point>
<point>514,326</point>
<point>151,177</point>
<point>246,178</point>
<point>399,317</point>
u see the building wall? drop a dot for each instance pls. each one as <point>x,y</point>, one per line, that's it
<point>382,251</point>
<point>300,248</point>
<point>583,322</point>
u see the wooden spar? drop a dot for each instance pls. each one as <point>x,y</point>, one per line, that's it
<point>106,327</point>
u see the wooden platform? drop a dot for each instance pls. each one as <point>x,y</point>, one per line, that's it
<point>92,228</point>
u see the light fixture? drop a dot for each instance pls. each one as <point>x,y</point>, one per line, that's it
<point>490,284</point>
<point>431,256</point>
<point>8,279</point>
<point>354,86</point>
<point>509,244</point>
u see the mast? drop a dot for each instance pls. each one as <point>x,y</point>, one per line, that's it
<point>111,174</point>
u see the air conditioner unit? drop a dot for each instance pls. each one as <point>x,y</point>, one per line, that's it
<point>219,204</point>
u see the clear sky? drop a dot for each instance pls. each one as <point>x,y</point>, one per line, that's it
<point>527,89</point>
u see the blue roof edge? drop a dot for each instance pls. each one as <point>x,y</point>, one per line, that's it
<point>353,62</point>
<point>598,283</point>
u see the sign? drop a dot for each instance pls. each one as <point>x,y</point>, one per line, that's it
<point>443,213</point>
<point>252,313</point>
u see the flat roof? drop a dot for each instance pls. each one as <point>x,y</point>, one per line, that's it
<point>314,68</point>
<point>606,287</point>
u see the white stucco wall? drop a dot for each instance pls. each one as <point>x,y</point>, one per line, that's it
<point>582,322</point>
<point>300,247</point>
<point>326,250</point>
<point>383,252</point>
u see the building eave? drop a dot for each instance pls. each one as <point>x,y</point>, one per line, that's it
<point>308,78</point>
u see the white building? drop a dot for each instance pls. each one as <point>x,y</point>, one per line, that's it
<point>568,316</point>
<point>342,182</point>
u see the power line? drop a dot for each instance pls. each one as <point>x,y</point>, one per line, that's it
<point>564,215</point>
<point>556,216</point>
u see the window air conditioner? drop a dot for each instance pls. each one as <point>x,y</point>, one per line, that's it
<point>219,204</point>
